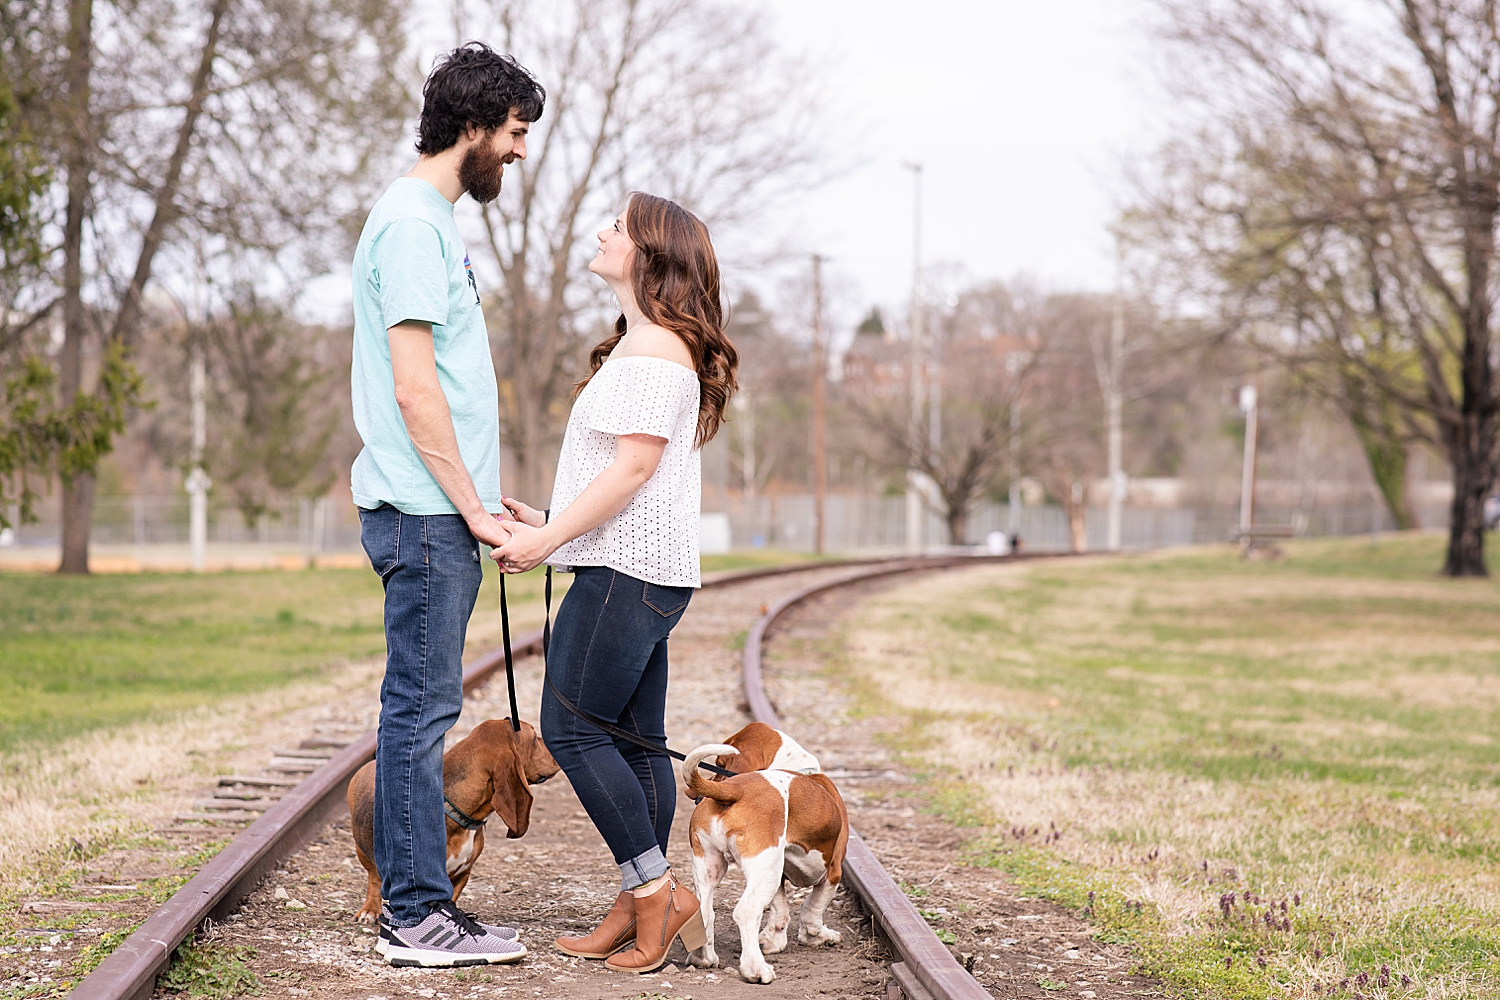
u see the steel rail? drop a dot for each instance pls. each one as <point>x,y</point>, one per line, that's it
<point>926,970</point>
<point>129,973</point>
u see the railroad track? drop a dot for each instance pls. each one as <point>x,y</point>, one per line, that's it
<point>925,969</point>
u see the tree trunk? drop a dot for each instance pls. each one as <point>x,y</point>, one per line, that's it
<point>1078,527</point>
<point>1387,457</point>
<point>1473,476</point>
<point>526,442</point>
<point>127,319</point>
<point>958,522</point>
<point>78,491</point>
<point>1075,505</point>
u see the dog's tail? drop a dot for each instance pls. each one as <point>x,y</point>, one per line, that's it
<point>698,785</point>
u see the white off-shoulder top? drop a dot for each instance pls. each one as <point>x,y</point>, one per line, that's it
<point>655,538</point>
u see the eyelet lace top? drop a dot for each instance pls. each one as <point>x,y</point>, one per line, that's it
<point>655,538</point>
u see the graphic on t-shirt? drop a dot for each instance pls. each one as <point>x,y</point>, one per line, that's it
<point>469,270</point>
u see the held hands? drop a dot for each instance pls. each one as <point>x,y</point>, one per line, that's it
<point>523,513</point>
<point>490,530</point>
<point>527,542</point>
<point>525,549</point>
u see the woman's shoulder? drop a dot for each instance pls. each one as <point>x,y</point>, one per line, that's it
<point>651,341</point>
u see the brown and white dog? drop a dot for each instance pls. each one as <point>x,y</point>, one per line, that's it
<point>486,772</point>
<point>779,826</point>
<point>762,748</point>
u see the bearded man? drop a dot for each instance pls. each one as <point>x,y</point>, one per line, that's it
<point>427,482</point>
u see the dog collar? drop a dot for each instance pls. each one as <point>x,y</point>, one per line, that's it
<point>460,817</point>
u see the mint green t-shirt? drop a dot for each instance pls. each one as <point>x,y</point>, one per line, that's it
<point>410,264</point>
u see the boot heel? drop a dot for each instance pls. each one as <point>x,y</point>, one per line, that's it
<point>692,935</point>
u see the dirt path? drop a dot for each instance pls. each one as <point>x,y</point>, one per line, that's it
<point>560,879</point>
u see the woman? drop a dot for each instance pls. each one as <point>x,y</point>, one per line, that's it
<point>625,508</point>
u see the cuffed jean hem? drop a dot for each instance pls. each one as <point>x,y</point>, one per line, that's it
<point>642,869</point>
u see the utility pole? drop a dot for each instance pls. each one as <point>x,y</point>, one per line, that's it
<point>746,421</point>
<point>820,365</point>
<point>918,374</point>
<point>197,483</point>
<point>1015,361</point>
<point>935,391</point>
<point>1113,400</point>
<point>1249,406</point>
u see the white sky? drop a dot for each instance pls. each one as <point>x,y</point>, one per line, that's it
<point>1018,111</point>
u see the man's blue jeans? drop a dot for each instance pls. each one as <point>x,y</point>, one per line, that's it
<point>430,567</point>
<point>609,658</point>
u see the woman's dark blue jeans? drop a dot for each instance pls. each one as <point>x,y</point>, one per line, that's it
<point>609,658</point>
<point>431,572</point>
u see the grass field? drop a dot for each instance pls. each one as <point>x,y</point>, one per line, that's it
<point>1272,780</point>
<point>80,653</point>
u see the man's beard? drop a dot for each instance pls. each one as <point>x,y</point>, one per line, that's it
<point>480,172</point>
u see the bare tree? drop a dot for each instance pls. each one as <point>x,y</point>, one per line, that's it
<point>1341,203</point>
<point>241,128</point>
<point>1064,409</point>
<point>685,98</point>
<point>977,391</point>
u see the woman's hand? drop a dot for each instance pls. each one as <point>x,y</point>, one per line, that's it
<point>526,549</point>
<point>523,513</point>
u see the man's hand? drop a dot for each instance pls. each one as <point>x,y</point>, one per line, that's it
<point>490,530</point>
<point>525,549</point>
<point>523,513</point>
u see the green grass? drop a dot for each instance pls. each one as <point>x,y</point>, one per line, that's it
<point>1323,732</point>
<point>208,969</point>
<point>755,558</point>
<point>82,653</point>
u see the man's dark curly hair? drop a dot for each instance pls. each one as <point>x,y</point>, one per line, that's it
<point>474,85</point>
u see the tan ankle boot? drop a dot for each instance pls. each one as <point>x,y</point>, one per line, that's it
<point>669,912</point>
<point>616,932</point>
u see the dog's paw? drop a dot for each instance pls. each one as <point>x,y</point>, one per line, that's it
<point>365,916</point>
<point>773,944</point>
<point>703,958</point>
<point>757,972</point>
<point>824,935</point>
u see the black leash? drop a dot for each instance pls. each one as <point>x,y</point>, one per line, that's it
<point>510,668</point>
<point>610,728</point>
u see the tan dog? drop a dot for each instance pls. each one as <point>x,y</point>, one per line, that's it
<point>486,772</point>
<point>779,826</point>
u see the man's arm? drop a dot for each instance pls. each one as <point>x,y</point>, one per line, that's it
<point>429,424</point>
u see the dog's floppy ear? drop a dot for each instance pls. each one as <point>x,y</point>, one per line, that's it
<point>512,796</point>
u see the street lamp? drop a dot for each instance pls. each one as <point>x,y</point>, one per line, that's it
<point>1249,406</point>
<point>913,494</point>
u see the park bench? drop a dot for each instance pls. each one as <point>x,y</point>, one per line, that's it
<point>1259,540</point>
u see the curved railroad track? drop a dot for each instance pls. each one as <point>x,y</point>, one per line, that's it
<point>925,968</point>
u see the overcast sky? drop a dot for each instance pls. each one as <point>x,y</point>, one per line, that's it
<point>1018,111</point>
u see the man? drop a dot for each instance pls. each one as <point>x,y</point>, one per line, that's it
<point>428,480</point>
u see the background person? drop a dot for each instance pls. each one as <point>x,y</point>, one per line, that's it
<point>428,479</point>
<point>625,511</point>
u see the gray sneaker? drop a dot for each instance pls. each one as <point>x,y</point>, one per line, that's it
<point>449,938</point>
<point>383,939</point>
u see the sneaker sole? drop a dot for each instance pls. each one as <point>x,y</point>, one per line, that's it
<point>425,958</point>
<point>382,944</point>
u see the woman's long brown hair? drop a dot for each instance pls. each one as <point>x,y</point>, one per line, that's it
<point>675,277</point>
